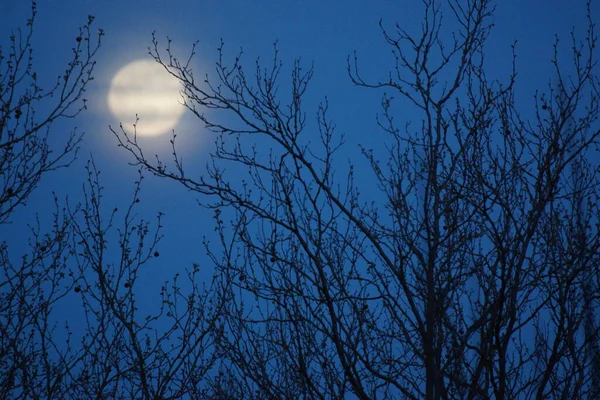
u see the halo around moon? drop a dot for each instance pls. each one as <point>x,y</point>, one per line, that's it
<point>145,88</point>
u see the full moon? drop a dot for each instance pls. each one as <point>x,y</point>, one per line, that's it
<point>145,88</point>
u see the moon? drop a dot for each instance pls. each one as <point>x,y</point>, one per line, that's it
<point>145,88</point>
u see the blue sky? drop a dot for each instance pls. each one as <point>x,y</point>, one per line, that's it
<point>323,32</point>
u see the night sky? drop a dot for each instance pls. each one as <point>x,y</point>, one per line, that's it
<point>321,32</point>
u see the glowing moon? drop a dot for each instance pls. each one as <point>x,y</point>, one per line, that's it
<point>145,88</point>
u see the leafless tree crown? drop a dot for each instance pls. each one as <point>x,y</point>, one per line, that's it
<point>466,269</point>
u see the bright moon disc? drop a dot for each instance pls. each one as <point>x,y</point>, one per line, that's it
<point>145,88</point>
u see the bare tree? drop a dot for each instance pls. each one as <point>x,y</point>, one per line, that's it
<point>124,353</point>
<point>110,349</point>
<point>31,285</point>
<point>464,277</point>
<point>469,269</point>
<point>25,150</point>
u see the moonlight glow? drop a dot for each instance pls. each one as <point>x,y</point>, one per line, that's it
<point>145,88</point>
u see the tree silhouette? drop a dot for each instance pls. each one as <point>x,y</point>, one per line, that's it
<point>465,276</point>
<point>465,266</point>
<point>26,153</point>
<point>115,352</point>
<point>30,147</point>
